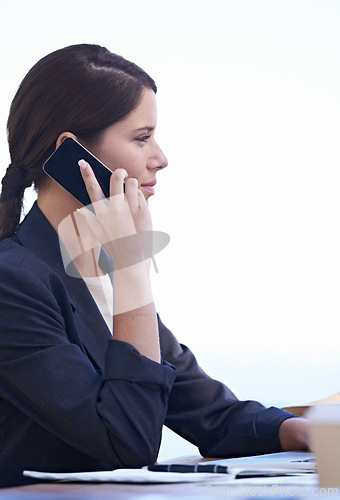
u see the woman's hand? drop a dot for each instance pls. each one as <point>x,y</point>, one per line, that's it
<point>118,222</point>
<point>294,434</point>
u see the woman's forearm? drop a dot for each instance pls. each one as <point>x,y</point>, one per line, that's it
<point>134,313</point>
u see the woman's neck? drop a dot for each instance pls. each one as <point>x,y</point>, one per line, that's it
<point>56,203</point>
<point>59,207</point>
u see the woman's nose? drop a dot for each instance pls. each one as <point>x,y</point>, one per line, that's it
<point>159,159</point>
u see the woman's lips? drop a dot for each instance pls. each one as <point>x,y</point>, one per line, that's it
<point>149,187</point>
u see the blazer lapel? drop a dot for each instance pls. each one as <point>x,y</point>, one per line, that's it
<point>37,234</point>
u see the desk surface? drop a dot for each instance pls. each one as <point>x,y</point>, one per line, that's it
<point>82,491</point>
<point>106,491</point>
<point>175,491</point>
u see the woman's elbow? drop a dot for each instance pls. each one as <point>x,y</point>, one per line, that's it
<point>140,456</point>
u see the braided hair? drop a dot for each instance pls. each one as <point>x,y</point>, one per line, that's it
<point>14,184</point>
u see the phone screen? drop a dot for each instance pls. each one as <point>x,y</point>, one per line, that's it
<point>62,166</point>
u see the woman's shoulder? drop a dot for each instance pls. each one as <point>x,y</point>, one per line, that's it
<point>26,280</point>
<point>18,260</point>
<point>11,251</point>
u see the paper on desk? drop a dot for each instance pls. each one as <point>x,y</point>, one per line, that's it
<point>287,460</point>
<point>146,476</point>
<point>276,486</point>
<point>127,476</point>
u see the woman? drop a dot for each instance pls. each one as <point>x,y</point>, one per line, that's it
<point>84,386</point>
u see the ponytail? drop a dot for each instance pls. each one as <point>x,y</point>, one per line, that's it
<point>14,184</point>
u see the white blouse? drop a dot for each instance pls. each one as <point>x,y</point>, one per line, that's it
<point>101,290</point>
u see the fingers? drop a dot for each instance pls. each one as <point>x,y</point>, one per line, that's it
<point>141,199</point>
<point>117,182</point>
<point>93,188</point>
<point>134,195</point>
<point>131,193</point>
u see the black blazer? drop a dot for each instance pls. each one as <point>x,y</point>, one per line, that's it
<point>74,399</point>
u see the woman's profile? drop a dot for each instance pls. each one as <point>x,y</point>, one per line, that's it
<point>89,374</point>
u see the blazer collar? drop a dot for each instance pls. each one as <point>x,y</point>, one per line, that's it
<point>38,235</point>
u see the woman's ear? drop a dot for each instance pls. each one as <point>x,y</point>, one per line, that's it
<point>63,136</point>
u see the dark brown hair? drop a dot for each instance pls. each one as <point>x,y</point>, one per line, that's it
<point>82,89</point>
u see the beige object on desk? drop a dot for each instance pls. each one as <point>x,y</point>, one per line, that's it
<point>325,442</point>
<point>301,409</point>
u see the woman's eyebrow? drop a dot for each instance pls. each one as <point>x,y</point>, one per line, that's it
<point>149,129</point>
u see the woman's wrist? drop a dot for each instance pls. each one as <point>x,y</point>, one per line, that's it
<point>140,329</point>
<point>126,251</point>
<point>132,288</point>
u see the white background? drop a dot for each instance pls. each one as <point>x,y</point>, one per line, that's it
<point>249,117</point>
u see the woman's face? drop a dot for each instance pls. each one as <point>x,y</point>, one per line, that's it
<point>130,144</point>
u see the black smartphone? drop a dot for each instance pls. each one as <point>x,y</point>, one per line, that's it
<point>63,167</point>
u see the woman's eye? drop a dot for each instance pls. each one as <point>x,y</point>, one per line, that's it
<point>143,138</point>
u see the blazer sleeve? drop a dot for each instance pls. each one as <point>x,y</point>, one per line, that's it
<point>114,415</point>
<point>207,413</point>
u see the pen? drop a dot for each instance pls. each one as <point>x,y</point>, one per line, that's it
<point>215,469</point>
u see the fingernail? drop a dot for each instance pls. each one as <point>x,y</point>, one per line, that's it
<point>82,164</point>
